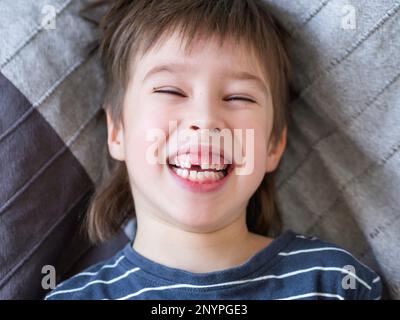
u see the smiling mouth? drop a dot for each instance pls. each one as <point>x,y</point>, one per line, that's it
<point>200,173</point>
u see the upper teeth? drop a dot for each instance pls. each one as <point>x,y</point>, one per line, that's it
<point>183,161</point>
<point>198,176</point>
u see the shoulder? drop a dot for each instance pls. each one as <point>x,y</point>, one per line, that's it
<point>83,285</point>
<point>334,269</point>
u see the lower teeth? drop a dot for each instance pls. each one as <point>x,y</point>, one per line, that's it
<point>198,176</point>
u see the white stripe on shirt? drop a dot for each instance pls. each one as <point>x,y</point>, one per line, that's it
<point>324,249</point>
<point>184,285</point>
<point>306,238</point>
<point>106,266</point>
<point>312,250</point>
<point>313,294</point>
<point>93,282</point>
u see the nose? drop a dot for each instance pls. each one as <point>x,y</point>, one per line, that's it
<point>204,114</point>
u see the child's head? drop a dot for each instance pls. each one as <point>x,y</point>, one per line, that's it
<point>205,64</point>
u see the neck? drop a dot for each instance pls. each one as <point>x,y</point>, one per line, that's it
<point>169,245</point>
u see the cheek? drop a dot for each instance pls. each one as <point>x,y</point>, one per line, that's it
<point>255,142</point>
<point>138,144</point>
<point>260,150</point>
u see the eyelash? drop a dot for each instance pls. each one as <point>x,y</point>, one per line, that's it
<point>229,99</point>
<point>241,99</point>
<point>170,92</point>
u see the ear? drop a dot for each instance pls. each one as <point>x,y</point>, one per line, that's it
<point>115,138</point>
<point>275,152</point>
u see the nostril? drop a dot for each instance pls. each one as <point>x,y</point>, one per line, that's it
<point>194,127</point>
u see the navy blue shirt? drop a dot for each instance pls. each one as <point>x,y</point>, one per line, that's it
<point>292,266</point>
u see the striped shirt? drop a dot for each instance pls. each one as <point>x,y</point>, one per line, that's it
<point>291,267</point>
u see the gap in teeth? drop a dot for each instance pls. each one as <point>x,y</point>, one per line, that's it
<point>183,161</point>
<point>203,166</point>
<point>198,176</point>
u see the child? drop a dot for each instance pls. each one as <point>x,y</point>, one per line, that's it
<point>206,217</point>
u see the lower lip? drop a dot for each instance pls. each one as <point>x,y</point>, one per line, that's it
<point>201,187</point>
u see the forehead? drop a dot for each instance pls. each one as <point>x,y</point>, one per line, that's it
<point>173,53</point>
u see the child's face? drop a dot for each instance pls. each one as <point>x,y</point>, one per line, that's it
<point>204,81</point>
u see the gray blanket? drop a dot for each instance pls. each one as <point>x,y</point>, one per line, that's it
<point>340,175</point>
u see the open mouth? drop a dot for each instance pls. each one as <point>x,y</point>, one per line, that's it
<point>200,173</point>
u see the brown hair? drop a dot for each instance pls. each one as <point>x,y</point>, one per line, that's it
<point>131,28</point>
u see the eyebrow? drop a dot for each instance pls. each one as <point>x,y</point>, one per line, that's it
<point>243,75</point>
<point>171,68</point>
<point>176,67</point>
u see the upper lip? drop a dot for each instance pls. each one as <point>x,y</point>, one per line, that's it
<point>196,152</point>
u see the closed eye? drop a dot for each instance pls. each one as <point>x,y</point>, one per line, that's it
<point>237,98</point>
<point>170,92</point>
<point>240,99</point>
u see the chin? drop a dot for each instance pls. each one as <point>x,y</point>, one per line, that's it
<point>197,221</point>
